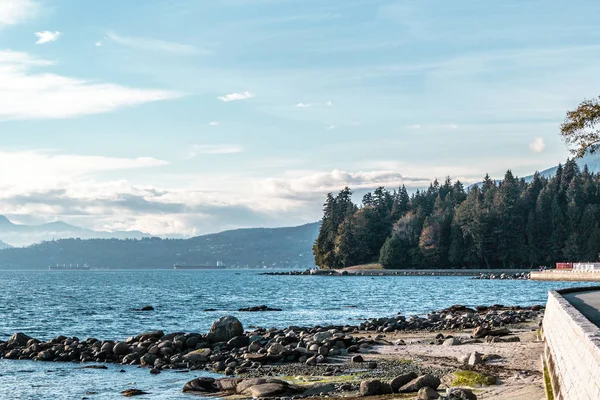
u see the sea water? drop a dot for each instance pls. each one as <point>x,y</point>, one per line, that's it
<point>104,304</point>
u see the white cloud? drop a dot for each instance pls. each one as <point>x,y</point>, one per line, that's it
<point>148,44</point>
<point>214,123</point>
<point>40,170</point>
<point>26,94</point>
<point>237,96</point>
<point>15,11</point>
<point>214,149</point>
<point>98,44</point>
<point>47,36</point>
<point>537,145</point>
<point>415,126</point>
<point>331,127</point>
<point>309,105</point>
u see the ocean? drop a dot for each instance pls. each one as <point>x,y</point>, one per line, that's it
<point>103,304</point>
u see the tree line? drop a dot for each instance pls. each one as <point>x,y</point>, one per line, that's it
<point>509,224</point>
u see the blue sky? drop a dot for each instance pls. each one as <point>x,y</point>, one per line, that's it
<point>196,116</point>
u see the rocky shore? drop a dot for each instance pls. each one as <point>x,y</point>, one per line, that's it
<point>476,274</point>
<point>258,359</point>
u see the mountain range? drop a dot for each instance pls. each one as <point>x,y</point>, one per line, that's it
<point>256,247</point>
<point>18,235</point>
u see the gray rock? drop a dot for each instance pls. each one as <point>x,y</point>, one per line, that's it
<point>247,383</point>
<point>202,385</point>
<point>427,393</point>
<point>402,380</point>
<point>358,359</point>
<point>200,355</point>
<point>268,390</point>
<point>276,348</point>
<point>475,359</point>
<point>225,328</point>
<point>18,339</point>
<point>374,387</point>
<point>451,342</point>
<point>460,394</point>
<point>322,336</point>
<point>421,382</point>
<point>228,384</point>
<point>120,348</point>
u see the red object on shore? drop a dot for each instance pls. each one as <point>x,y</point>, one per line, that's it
<point>564,265</point>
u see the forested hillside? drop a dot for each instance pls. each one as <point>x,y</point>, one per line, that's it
<point>509,224</point>
<point>277,247</point>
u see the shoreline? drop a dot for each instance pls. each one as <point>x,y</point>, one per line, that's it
<point>474,273</point>
<point>331,353</point>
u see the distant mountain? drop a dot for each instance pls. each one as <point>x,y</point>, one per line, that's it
<point>24,235</point>
<point>591,160</point>
<point>4,245</point>
<point>255,247</point>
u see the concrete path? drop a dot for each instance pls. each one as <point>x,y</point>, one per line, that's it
<point>588,303</point>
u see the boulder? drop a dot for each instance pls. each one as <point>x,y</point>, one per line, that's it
<point>358,359</point>
<point>238,342</point>
<point>322,336</point>
<point>460,394</point>
<point>402,380</point>
<point>225,328</point>
<point>120,348</point>
<point>276,348</point>
<point>147,308</point>
<point>268,390</point>
<point>480,332</point>
<point>247,383</point>
<point>18,339</point>
<point>228,384</point>
<point>451,342</point>
<point>200,355</point>
<point>201,385</point>
<point>427,393</point>
<point>374,387</point>
<point>420,382</point>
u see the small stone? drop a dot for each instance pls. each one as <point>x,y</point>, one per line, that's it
<point>372,365</point>
<point>357,359</point>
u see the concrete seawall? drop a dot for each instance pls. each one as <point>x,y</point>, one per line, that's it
<point>557,275</point>
<point>572,350</point>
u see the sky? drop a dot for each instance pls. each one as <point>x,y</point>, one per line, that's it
<point>194,116</point>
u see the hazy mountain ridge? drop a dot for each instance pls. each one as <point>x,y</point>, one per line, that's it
<point>23,235</point>
<point>289,247</point>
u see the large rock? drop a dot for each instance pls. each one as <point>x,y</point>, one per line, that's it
<point>480,332</point>
<point>374,387</point>
<point>247,383</point>
<point>228,384</point>
<point>402,380</point>
<point>200,355</point>
<point>427,393</point>
<point>268,390</point>
<point>420,382</point>
<point>18,339</point>
<point>225,328</point>
<point>460,394</point>
<point>451,342</point>
<point>201,385</point>
<point>121,348</point>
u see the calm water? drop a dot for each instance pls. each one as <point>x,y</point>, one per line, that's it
<point>101,304</point>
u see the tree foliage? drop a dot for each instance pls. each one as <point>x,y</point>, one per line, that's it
<point>508,224</point>
<point>580,128</point>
